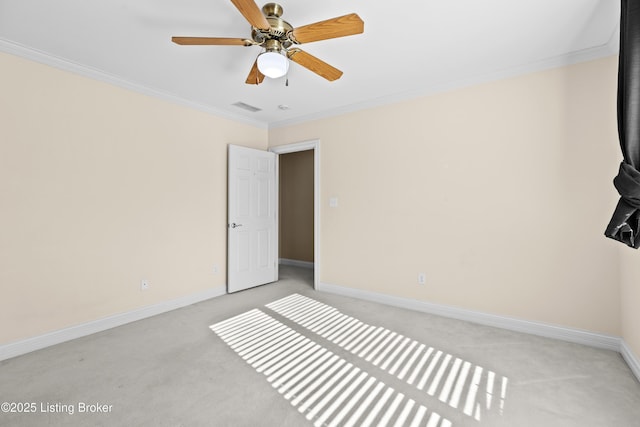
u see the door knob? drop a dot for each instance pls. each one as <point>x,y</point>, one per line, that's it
<point>234,225</point>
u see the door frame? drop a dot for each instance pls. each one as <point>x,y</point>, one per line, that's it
<point>314,145</point>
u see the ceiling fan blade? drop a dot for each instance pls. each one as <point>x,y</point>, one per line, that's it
<point>252,13</point>
<point>217,41</point>
<point>314,64</point>
<point>346,25</point>
<point>255,77</point>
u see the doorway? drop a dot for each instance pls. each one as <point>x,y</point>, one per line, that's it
<point>298,205</point>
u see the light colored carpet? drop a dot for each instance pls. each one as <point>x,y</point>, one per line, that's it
<point>212,364</point>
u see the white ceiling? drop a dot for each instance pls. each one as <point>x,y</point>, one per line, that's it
<point>409,48</point>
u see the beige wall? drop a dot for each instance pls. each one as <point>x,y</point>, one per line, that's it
<point>630,283</point>
<point>499,192</point>
<point>99,188</point>
<point>296,206</point>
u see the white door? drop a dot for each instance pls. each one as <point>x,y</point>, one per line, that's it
<point>251,238</point>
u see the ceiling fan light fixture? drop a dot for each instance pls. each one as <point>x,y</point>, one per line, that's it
<point>273,64</point>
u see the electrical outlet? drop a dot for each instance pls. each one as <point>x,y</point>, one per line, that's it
<point>422,278</point>
<point>144,285</point>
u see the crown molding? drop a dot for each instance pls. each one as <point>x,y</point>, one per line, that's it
<point>611,47</point>
<point>95,74</point>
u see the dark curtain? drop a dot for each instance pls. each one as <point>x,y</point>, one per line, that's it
<point>625,223</point>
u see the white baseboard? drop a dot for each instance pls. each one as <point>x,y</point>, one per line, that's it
<point>296,263</point>
<point>535,328</point>
<point>630,357</point>
<point>28,345</point>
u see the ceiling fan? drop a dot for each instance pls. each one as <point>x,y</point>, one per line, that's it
<point>279,38</point>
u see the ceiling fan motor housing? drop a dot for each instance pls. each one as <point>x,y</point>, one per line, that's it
<point>279,28</point>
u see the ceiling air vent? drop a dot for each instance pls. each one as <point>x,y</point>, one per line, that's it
<point>247,107</point>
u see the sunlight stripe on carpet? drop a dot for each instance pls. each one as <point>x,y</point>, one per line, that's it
<point>439,374</point>
<point>325,388</point>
